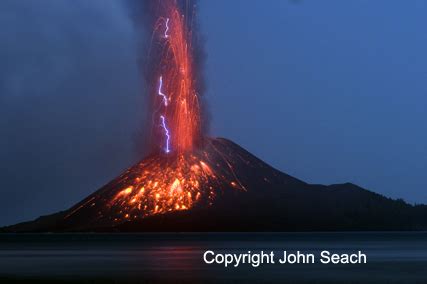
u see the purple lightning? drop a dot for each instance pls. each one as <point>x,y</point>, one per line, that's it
<point>167,149</point>
<point>167,28</point>
<point>160,93</point>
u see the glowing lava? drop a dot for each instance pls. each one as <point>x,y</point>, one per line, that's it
<point>157,189</point>
<point>161,184</point>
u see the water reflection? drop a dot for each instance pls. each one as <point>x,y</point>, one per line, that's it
<point>179,257</point>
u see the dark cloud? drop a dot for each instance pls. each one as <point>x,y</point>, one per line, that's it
<point>70,102</point>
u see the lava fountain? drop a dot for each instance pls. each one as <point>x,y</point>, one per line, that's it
<point>176,113</point>
<point>185,169</point>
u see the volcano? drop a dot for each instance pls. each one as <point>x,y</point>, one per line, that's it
<point>223,187</point>
<point>194,183</point>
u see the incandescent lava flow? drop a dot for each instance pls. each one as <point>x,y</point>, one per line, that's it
<point>185,169</point>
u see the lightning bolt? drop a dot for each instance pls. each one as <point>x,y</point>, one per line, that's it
<point>165,98</point>
<point>167,28</point>
<point>167,149</point>
<point>160,93</point>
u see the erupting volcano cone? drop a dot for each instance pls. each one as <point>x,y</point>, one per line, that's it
<point>161,184</point>
<point>193,183</point>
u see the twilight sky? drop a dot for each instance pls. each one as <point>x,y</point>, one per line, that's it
<point>328,91</point>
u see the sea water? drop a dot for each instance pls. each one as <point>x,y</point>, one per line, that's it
<point>391,257</point>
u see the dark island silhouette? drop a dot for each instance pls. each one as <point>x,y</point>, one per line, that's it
<point>271,201</point>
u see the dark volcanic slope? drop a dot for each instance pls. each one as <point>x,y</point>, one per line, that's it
<point>242,194</point>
